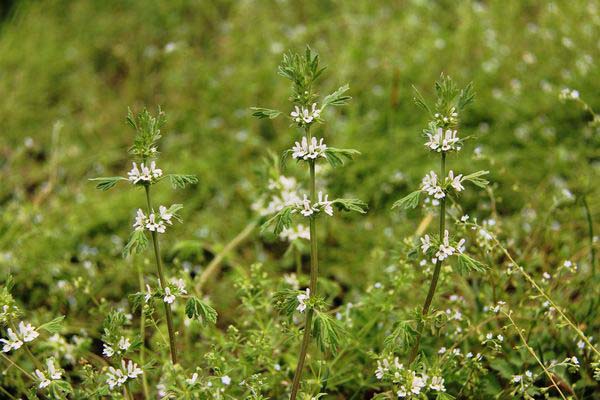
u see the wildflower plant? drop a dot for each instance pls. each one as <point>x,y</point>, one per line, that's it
<point>442,138</point>
<point>152,222</point>
<point>303,70</point>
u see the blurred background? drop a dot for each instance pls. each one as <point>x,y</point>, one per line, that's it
<point>70,69</point>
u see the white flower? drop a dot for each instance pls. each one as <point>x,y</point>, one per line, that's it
<point>108,351</point>
<point>134,175</point>
<point>53,374</point>
<point>305,207</point>
<point>148,294</point>
<point>115,377</point>
<point>155,226</point>
<point>418,383</point>
<point>574,360</point>
<point>305,150</point>
<point>437,383</point>
<point>443,141</point>
<point>169,297</point>
<point>455,181</point>
<point>144,173</point>
<point>460,246</point>
<point>165,215</point>
<point>226,380</point>
<point>581,344</point>
<point>305,115</point>
<point>445,250</point>
<point>442,350</point>
<point>124,343</point>
<point>193,379</point>
<point>425,243</point>
<point>382,368</point>
<point>298,232</point>
<point>302,298</point>
<point>12,343</point>
<point>325,204</point>
<point>464,218</point>
<point>430,186</point>
<point>140,220</point>
<point>131,369</point>
<point>27,332</point>
<point>180,285</point>
<point>517,378</point>
<point>529,374</point>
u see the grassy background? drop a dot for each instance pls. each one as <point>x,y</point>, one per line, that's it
<point>69,70</point>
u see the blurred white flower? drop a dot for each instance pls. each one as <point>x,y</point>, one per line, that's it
<point>302,298</point>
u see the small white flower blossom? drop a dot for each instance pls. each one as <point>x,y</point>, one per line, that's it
<point>418,383</point>
<point>443,141</point>
<point>140,220</point>
<point>27,332</point>
<point>165,215</point>
<point>304,115</point>
<point>144,173</point>
<point>302,299</point>
<point>445,250</point>
<point>225,380</point>
<point>425,243</point>
<point>107,350</point>
<point>437,384</point>
<point>148,294</point>
<point>193,379</point>
<point>52,372</point>
<point>325,204</point>
<point>455,181</point>
<point>155,225</point>
<point>169,297</point>
<point>464,218</point>
<point>430,185</point>
<point>124,343</point>
<point>12,343</point>
<point>309,151</point>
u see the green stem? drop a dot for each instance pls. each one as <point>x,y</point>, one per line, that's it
<point>143,334</point>
<point>298,257</point>
<point>588,216</point>
<point>163,283</point>
<point>314,269</point>
<point>436,272</point>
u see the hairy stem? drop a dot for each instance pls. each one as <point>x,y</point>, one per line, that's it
<point>314,269</point>
<point>163,283</point>
<point>436,272</point>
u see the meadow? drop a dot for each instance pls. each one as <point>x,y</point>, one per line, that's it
<point>313,200</point>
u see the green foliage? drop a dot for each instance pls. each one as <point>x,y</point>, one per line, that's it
<point>261,113</point>
<point>476,178</point>
<point>336,157</point>
<point>179,181</point>
<point>281,220</point>
<point>147,127</point>
<point>355,205</point>
<point>107,183</point>
<point>337,98</point>
<point>327,331</point>
<point>302,71</point>
<point>53,326</point>
<point>200,311</point>
<point>286,301</point>
<point>402,337</point>
<point>138,242</point>
<point>409,201</point>
<point>468,264</point>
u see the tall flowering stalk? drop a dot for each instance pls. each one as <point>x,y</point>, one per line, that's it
<point>154,221</point>
<point>303,71</point>
<point>442,139</point>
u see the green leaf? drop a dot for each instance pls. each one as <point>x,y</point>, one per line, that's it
<point>467,264</point>
<point>105,183</point>
<point>53,326</point>
<point>351,205</point>
<point>261,113</point>
<point>337,98</point>
<point>327,331</point>
<point>336,156</point>
<point>409,201</point>
<point>181,181</point>
<point>466,97</point>
<point>138,241</point>
<point>281,220</point>
<point>402,337</point>
<point>199,310</point>
<point>286,301</point>
<point>420,101</point>
<point>475,178</point>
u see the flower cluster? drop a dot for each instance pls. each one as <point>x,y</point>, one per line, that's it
<point>411,383</point>
<point>306,208</point>
<point>309,151</point>
<point>116,377</point>
<point>144,174</point>
<point>302,299</point>
<point>285,194</point>
<point>121,347</point>
<point>304,116</point>
<point>441,141</point>
<point>433,187</point>
<point>153,222</point>
<point>450,119</point>
<point>26,333</point>
<point>298,232</point>
<point>445,249</point>
<point>569,94</point>
<point>176,288</point>
<point>53,374</point>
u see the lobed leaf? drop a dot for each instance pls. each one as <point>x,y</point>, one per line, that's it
<point>199,310</point>
<point>138,241</point>
<point>261,113</point>
<point>475,178</point>
<point>105,183</point>
<point>402,337</point>
<point>181,181</point>
<point>336,156</point>
<point>351,205</point>
<point>409,201</point>
<point>327,331</point>
<point>337,98</point>
<point>467,264</point>
<point>281,220</point>
<point>286,301</point>
<point>53,326</point>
